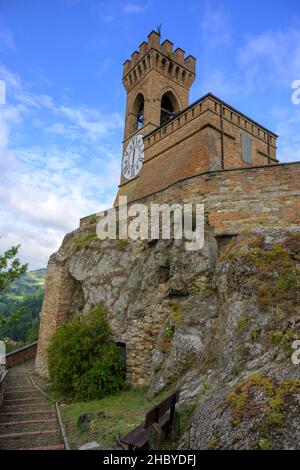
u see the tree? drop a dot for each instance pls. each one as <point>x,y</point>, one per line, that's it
<point>10,269</point>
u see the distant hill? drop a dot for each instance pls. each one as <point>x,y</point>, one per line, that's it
<point>25,293</point>
<point>26,284</point>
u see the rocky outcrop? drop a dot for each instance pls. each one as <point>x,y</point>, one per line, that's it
<point>259,412</point>
<point>252,394</point>
<point>218,323</point>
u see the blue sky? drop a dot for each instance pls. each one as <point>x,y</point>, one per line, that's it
<point>62,125</point>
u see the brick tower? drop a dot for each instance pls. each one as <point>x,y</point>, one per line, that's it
<point>166,139</point>
<point>157,81</point>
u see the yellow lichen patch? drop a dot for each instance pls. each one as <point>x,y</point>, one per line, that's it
<point>242,401</point>
<point>213,442</point>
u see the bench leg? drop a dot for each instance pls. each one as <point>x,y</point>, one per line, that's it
<point>155,437</point>
<point>175,430</point>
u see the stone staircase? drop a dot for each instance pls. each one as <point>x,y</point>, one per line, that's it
<point>28,419</point>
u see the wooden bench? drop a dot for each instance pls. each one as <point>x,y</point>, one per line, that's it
<point>161,415</point>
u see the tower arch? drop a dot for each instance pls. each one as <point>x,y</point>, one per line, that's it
<point>136,113</point>
<point>169,106</point>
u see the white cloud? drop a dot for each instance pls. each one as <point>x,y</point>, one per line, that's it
<point>44,190</point>
<point>288,130</point>
<point>7,42</point>
<point>135,7</point>
<point>272,57</point>
<point>44,196</point>
<point>222,83</point>
<point>91,121</point>
<point>216,25</point>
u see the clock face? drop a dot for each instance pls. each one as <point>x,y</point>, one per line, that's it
<point>133,157</point>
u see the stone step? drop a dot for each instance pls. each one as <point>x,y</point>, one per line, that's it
<point>33,406</point>
<point>28,425</point>
<point>22,394</point>
<point>52,447</point>
<point>20,401</point>
<point>13,375</point>
<point>29,440</point>
<point>20,388</point>
<point>24,415</point>
<point>18,383</point>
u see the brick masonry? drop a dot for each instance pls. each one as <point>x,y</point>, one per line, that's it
<point>192,143</point>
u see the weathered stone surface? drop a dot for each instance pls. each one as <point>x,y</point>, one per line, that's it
<point>260,424</point>
<point>203,321</point>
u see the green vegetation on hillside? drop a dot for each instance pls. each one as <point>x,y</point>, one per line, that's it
<point>20,305</point>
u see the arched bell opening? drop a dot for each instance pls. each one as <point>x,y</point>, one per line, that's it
<point>137,113</point>
<point>169,107</point>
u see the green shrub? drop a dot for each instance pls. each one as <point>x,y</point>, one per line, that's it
<point>83,360</point>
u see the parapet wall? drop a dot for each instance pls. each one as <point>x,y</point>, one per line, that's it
<point>240,198</point>
<point>21,355</point>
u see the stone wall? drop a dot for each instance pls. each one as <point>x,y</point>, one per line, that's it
<point>58,303</point>
<point>21,355</point>
<point>3,380</point>
<point>237,199</point>
<point>243,198</point>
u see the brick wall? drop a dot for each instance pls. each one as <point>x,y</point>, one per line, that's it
<point>59,289</point>
<point>244,198</point>
<point>21,355</point>
<point>192,143</point>
<point>237,199</point>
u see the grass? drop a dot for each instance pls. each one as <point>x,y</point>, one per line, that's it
<point>111,415</point>
<point>81,241</point>
<point>116,414</point>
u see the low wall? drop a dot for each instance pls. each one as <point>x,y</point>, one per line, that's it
<point>21,355</point>
<point>237,199</point>
<point>3,375</point>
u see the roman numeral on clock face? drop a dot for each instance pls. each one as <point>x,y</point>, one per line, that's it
<point>133,157</point>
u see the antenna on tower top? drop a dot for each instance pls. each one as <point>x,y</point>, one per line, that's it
<point>159,29</point>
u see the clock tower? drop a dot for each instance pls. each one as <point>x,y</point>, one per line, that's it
<point>166,139</point>
<point>157,80</point>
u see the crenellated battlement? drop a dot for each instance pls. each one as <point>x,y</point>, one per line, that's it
<point>161,57</point>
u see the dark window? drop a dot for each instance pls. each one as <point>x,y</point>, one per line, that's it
<point>246,144</point>
<point>122,349</point>
<point>167,109</point>
<point>140,115</point>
